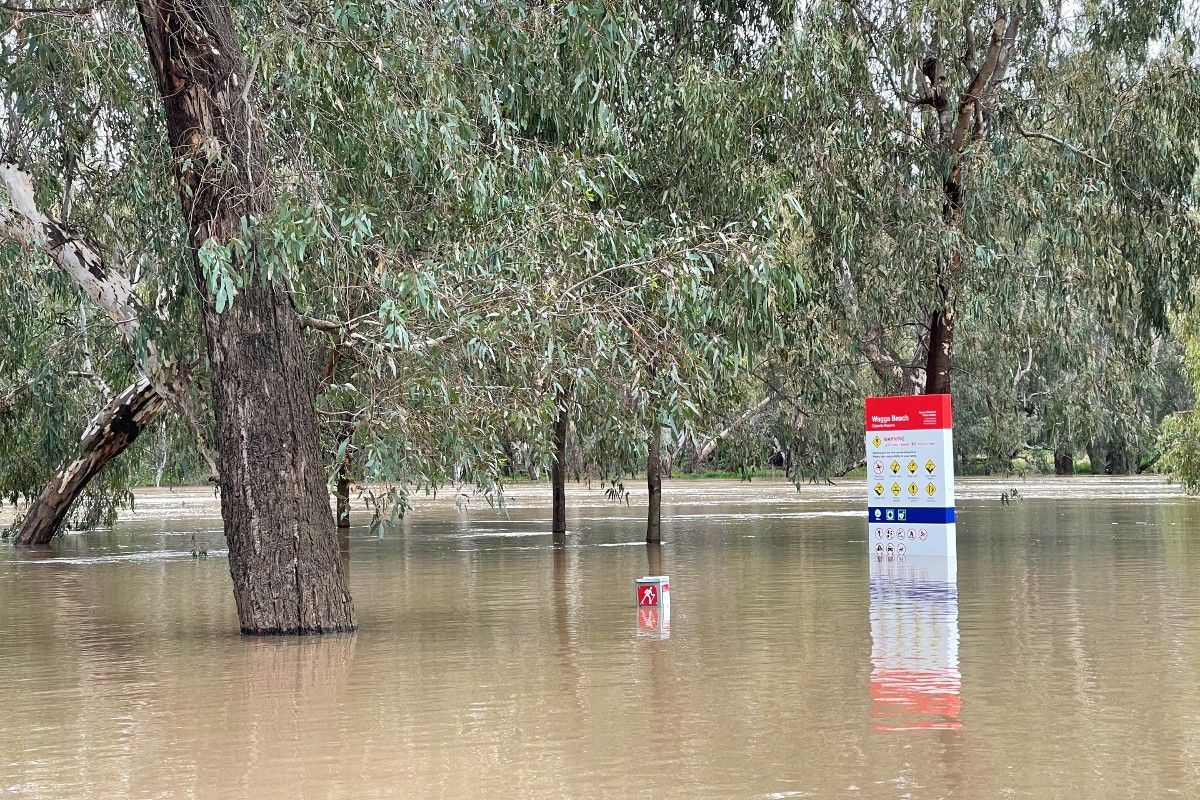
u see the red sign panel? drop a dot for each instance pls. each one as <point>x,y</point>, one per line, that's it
<point>909,412</point>
<point>647,595</point>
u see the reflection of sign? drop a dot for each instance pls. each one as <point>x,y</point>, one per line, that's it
<point>915,682</point>
<point>654,623</point>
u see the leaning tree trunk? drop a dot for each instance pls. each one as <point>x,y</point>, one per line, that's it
<point>23,221</point>
<point>283,549</point>
<point>558,473</point>
<point>654,486</point>
<point>115,428</point>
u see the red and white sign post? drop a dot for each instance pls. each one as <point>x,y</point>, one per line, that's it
<point>910,477</point>
<point>653,595</point>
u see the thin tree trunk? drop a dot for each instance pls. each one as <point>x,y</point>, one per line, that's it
<point>287,575</point>
<point>654,485</point>
<point>115,428</point>
<point>343,502</point>
<point>558,473</point>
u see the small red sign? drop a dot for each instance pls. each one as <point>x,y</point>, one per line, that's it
<point>647,595</point>
<point>908,412</point>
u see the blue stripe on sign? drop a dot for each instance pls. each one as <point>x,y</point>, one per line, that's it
<point>932,516</point>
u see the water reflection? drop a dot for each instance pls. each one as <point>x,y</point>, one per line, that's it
<point>915,678</point>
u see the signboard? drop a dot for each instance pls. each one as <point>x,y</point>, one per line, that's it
<point>910,477</point>
<point>653,590</point>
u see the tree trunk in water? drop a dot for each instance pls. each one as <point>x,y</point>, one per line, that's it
<point>283,550</point>
<point>1098,456</point>
<point>1119,461</point>
<point>654,486</point>
<point>1064,462</point>
<point>115,428</point>
<point>558,474</point>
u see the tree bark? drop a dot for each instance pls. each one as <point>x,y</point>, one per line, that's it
<point>23,222</point>
<point>287,575</point>
<point>970,119</point>
<point>654,486</point>
<point>115,428</point>
<point>558,473</point>
<point>1098,456</point>
<point>1064,462</point>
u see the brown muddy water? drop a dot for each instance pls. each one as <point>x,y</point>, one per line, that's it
<point>1061,663</point>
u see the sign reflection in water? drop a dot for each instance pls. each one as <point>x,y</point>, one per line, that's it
<point>915,681</point>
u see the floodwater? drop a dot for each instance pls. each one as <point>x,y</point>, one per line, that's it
<point>1058,660</point>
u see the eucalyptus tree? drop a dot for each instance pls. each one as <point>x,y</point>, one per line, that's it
<point>958,156</point>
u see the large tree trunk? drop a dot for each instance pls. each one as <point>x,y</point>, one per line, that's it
<point>654,486</point>
<point>283,549</point>
<point>115,428</point>
<point>558,473</point>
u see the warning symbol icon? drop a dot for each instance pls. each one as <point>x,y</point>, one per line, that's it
<point>931,488</point>
<point>895,466</point>
<point>879,490</point>
<point>876,442</point>
<point>930,466</point>
<point>896,490</point>
<point>912,466</point>
<point>913,489</point>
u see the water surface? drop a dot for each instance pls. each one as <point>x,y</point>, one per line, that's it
<point>1059,660</point>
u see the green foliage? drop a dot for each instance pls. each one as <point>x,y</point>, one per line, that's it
<point>674,212</point>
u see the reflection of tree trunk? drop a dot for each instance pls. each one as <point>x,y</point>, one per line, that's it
<point>283,554</point>
<point>654,558</point>
<point>115,428</point>
<point>344,550</point>
<point>558,473</point>
<point>654,485</point>
<point>1064,462</point>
